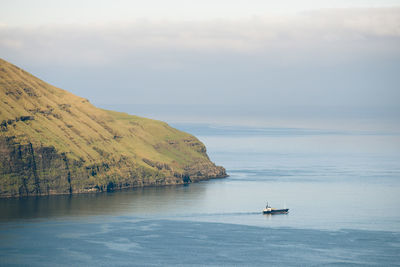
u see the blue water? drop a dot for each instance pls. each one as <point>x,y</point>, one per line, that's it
<point>341,186</point>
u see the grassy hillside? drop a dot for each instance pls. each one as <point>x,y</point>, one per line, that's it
<point>52,141</point>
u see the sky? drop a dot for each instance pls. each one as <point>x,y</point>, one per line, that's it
<point>285,58</point>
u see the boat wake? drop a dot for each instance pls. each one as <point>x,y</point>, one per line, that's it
<point>219,214</point>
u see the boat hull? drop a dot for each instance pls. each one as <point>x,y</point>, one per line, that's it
<point>281,211</point>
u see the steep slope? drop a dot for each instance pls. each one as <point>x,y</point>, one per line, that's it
<point>53,142</point>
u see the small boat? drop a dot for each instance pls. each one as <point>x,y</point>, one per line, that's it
<point>269,210</point>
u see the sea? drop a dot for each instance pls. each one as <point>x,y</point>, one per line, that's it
<point>342,188</point>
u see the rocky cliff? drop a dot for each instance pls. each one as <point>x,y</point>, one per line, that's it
<point>53,142</point>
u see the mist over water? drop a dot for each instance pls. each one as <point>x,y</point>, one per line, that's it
<point>355,117</point>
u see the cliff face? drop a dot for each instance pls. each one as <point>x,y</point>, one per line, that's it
<point>53,142</point>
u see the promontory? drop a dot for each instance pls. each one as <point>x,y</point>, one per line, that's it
<point>54,142</point>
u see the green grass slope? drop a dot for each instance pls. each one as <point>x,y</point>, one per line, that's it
<point>53,142</point>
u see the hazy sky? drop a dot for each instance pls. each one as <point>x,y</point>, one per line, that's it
<point>23,12</point>
<point>254,53</point>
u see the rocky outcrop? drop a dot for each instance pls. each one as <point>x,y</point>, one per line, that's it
<point>26,170</point>
<point>5,123</point>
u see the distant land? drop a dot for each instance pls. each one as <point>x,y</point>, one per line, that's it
<point>54,142</point>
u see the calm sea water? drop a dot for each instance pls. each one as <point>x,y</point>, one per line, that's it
<point>342,189</point>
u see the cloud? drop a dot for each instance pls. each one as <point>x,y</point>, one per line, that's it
<point>100,43</point>
<point>383,22</point>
